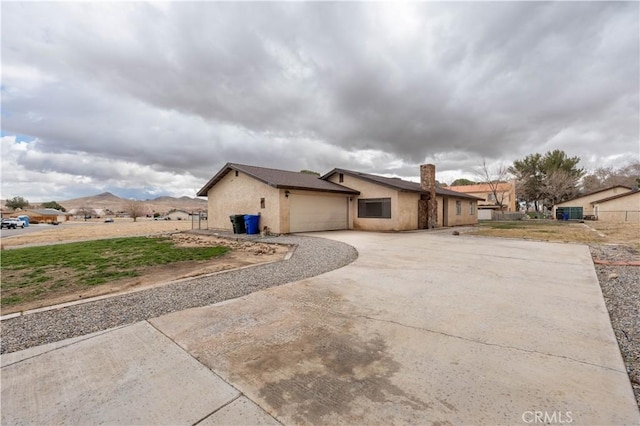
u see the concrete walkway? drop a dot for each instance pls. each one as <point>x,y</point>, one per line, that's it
<point>422,329</point>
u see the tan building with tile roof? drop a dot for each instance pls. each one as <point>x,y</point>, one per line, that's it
<point>506,199</point>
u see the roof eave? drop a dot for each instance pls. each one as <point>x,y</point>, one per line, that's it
<point>305,188</point>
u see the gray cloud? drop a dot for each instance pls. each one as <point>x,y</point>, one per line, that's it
<point>181,88</point>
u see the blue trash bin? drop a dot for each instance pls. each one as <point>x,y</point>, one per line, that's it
<point>251,222</point>
<point>565,216</point>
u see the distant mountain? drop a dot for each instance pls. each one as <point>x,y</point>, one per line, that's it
<point>106,200</point>
<point>112,202</point>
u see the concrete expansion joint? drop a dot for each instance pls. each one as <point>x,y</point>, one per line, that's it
<point>218,409</point>
<point>78,340</point>
<point>239,392</point>
<point>480,342</point>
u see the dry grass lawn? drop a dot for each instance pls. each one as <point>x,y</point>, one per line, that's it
<point>569,232</point>
<point>91,230</point>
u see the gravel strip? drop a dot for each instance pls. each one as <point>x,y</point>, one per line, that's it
<point>621,290</point>
<point>313,256</point>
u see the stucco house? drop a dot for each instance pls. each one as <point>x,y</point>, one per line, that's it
<point>178,215</point>
<point>45,215</point>
<point>506,200</point>
<point>623,207</point>
<point>341,199</point>
<point>585,202</point>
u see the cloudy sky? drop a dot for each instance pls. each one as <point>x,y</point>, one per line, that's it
<point>150,99</point>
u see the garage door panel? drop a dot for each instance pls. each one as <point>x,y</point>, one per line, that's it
<point>317,213</point>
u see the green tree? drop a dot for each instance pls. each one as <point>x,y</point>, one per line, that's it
<point>310,172</point>
<point>53,205</point>
<point>17,203</point>
<point>462,181</point>
<point>548,179</point>
<point>528,179</point>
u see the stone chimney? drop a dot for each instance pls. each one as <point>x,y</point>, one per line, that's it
<point>428,184</point>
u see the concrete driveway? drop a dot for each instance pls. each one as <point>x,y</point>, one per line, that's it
<point>423,328</point>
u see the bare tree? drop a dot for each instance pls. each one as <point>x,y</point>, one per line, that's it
<point>134,208</point>
<point>605,177</point>
<point>494,176</point>
<point>85,212</point>
<point>559,186</point>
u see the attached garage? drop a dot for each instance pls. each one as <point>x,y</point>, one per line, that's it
<point>318,212</point>
<point>285,201</point>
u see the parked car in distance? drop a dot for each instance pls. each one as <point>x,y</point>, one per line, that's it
<point>108,220</point>
<point>12,223</point>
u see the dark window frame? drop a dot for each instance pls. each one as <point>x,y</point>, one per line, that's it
<point>374,208</point>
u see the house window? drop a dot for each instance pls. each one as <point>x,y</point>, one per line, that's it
<point>458,208</point>
<point>491,197</point>
<point>377,208</point>
<point>341,177</point>
<point>472,208</point>
<point>262,203</point>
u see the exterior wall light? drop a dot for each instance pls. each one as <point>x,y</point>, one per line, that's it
<point>286,193</point>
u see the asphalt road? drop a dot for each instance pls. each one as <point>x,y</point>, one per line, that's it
<point>7,233</point>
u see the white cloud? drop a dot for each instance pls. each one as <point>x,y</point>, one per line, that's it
<point>166,93</point>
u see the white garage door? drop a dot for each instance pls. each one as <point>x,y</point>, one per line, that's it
<point>317,213</point>
<point>484,214</point>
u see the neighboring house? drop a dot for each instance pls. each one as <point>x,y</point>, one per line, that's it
<point>342,199</point>
<point>46,215</point>
<point>618,208</point>
<point>583,207</point>
<point>179,215</point>
<point>506,200</point>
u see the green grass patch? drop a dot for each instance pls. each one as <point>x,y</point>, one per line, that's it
<point>35,272</point>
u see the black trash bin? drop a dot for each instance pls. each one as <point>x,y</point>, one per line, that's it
<point>237,220</point>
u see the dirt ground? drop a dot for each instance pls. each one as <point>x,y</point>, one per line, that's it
<point>589,232</point>
<point>78,230</point>
<point>243,253</point>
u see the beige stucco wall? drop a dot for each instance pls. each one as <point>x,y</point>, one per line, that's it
<point>624,209</point>
<point>179,215</point>
<point>585,202</point>
<point>453,219</point>
<point>404,205</point>
<point>508,199</point>
<point>506,192</point>
<point>408,208</point>
<point>241,195</point>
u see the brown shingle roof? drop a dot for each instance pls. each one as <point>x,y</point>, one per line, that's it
<point>614,197</point>
<point>278,179</point>
<point>399,184</point>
